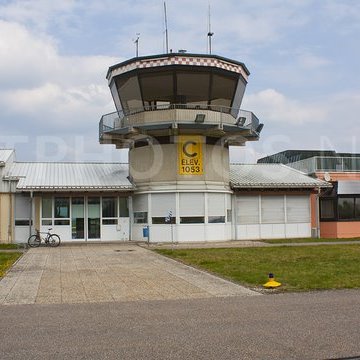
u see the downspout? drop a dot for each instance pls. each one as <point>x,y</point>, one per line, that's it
<point>130,208</point>
<point>234,216</point>
<point>31,213</point>
<point>9,240</point>
<point>318,213</point>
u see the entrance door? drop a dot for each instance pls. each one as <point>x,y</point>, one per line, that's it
<point>77,218</point>
<point>93,218</point>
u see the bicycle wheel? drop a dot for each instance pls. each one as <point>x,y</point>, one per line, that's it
<point>34,241</point>
<point>54,240</point>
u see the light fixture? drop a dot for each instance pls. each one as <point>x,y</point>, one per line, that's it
<point>240,121</point>
<point>200,118</point>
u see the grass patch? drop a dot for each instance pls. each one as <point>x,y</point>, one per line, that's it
<point>8,246</point>
<point>305,240</point>
<point>6,261</point>
<point>297,268</point>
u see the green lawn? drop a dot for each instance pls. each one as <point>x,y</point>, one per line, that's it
<point>306,240</point>
<point>9,246</point>
<point>297,268</point>
<point>6,260</point>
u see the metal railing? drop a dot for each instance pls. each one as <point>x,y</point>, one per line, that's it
<point>327,164</point>
<point>178,113</point>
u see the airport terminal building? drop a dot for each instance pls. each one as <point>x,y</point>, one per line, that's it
<point>177,114</point>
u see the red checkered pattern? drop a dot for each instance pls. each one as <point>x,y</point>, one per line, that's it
<point>181,60</point>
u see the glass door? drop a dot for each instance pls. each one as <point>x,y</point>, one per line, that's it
<point>93,217</point>
<point>77,218</point>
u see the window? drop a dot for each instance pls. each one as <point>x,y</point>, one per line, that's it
<point>163,220</point>
<point>222,91</point>
<point>357,208</point>
<point>193,87</point>
<point>109,207</point>
<point>46,208</point>
<point>157,88</point>
<point>228,215</point>
<point>346,208</point>
<point>140,217</point>
<point>109,221</point>
<point>123,207</point>
<point>216,219</point>
<point>129,90</point>
<point>327,209</point>
<point>192,220</point>
<point>341,208</point>
<point>23,222</point>
<point>62,207</point>
<point>62,222</point>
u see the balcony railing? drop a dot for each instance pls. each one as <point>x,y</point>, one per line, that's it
<point>179,114</point>
<point>327,164</point>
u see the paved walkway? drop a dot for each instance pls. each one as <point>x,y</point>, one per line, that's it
<point>106,273</point>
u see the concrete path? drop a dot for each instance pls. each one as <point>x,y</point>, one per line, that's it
<point>106,273</point>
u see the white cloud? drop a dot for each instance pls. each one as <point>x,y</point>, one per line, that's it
<point>272,106</point>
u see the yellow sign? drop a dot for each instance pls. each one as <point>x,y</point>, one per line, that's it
<point>190,156</point>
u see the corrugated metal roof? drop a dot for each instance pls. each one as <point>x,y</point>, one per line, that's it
<point>70,176</point>
<point>271,176</point>
<point>5,154</point>
<point>348,187</point>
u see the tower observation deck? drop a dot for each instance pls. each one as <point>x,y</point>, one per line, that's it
<point>173,94</point>
<point>178,114</point>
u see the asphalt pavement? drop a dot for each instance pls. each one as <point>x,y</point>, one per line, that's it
<point>315,325</point>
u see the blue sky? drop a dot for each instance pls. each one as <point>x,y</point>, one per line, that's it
<point>303,57</point>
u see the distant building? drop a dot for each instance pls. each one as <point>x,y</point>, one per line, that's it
<point>339,205</point>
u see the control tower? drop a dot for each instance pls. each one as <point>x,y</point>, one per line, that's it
<point>178,114</point>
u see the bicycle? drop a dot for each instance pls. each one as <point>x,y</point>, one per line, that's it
<point>49,239</point>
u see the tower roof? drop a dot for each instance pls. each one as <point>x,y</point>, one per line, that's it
<point>185,59</point>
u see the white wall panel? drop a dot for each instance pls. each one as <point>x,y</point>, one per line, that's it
<point>216,204</point>
<point>161,204</point>
<point>298,230</point>
<point>247,210</point>
<point>195,232</point>
<point>272,231</point>
<point>248,232</point>
<point>140,203</point>
<point>22,206</point>
<point>297,209</point>
<point>272,210</point>
<point>192,204</point>
<point>215,232</point>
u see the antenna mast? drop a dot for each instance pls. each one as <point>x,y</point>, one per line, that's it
<point>166,30</point>
<point>136,42</point>
<point>210,34</point>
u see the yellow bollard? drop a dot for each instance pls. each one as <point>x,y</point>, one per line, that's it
<point>271,282</point>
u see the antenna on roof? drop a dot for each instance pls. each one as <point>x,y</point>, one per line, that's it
<point>136,42</point>
<point>209,34</point>
<point>166,30</point>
